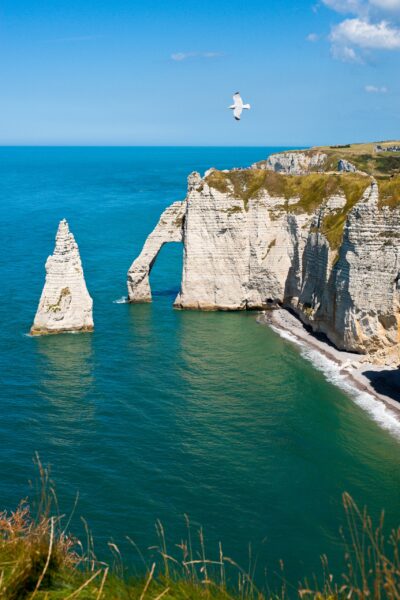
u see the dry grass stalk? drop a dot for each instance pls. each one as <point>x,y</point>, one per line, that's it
<point>36,554</point>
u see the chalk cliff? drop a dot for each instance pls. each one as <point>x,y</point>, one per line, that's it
<point>324,244</point>
<point>169,229</point>
<point>65,304</point>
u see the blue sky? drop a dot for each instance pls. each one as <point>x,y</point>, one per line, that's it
<point>123,72</point>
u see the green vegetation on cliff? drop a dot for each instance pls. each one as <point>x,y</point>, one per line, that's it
<point>332,225</point>
<point>389,192</point>
<point>372,158</point>
<point>366,157</point>
<point>311,190</point>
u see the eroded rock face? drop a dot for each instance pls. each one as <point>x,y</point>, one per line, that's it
<point>244,251</point>
<point>294,163</point>
<point>235,258</point>
<point>360,307</point>
<point>65,304</point>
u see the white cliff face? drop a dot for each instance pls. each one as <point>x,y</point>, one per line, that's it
<point>256,252</point>
<point>65,304</point>
<point>215,262</point>
<point>294,163</point>
<point>235,257</point>
<point>361,307</point>
<point>168,229</point>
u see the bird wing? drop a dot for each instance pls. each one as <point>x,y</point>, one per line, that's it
<point>237,111</point>
<point>237,99</point>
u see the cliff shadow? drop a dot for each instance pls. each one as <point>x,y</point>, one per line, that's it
<point>308,272</point>
<point>385,382</point>
<point>337,298</point>
<point>173,292</point>
<point>314,271</point>
<point>293,281</point>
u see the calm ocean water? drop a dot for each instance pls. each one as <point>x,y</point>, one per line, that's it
<point>159,412</point>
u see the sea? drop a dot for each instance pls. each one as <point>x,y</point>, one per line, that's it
<point>167,416</point>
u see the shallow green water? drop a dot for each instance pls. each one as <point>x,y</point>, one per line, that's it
<point>160,412</point>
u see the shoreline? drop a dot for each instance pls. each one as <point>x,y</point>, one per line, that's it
<point>352,368</point>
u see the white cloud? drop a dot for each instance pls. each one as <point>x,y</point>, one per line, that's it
<point>345,54</point>
<point>360,33</point>
<point>372,25</point>
<point>312,37</point>
<point>179,56</point>
<point>374,89</point>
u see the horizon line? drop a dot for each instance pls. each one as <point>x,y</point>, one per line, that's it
<point>280,145</point>
<point>269,145</point>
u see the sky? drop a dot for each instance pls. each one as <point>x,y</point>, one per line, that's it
<point>162,72</point>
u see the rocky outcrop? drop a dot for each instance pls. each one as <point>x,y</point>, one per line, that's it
<point>65,304</point>
<point>294,163</point>
<point>346,166</point>
<point>325,245</point>
<point>169,229</point>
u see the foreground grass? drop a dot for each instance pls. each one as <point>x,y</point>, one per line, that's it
<point>39,559</point>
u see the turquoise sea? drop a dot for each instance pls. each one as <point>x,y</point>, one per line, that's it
<point>161,413</point>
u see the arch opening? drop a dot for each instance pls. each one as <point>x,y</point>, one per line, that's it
<point>166,271</point>
<point>168,229</point>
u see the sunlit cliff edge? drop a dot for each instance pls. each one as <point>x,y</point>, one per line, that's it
<point>316,231</point>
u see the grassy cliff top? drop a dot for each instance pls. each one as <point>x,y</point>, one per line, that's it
<point>361,148</point>
<point>311,189</point>
<point>389,192</point>
<point>374,158</point>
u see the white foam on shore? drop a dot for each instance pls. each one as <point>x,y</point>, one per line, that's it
<point>122,300</point>
<point>331,370</point>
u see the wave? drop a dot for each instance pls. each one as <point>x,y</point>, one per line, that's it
<point>122,300</point>
<point>376,408</point>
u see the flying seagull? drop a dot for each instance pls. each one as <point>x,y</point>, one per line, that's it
<point>238,106</point>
